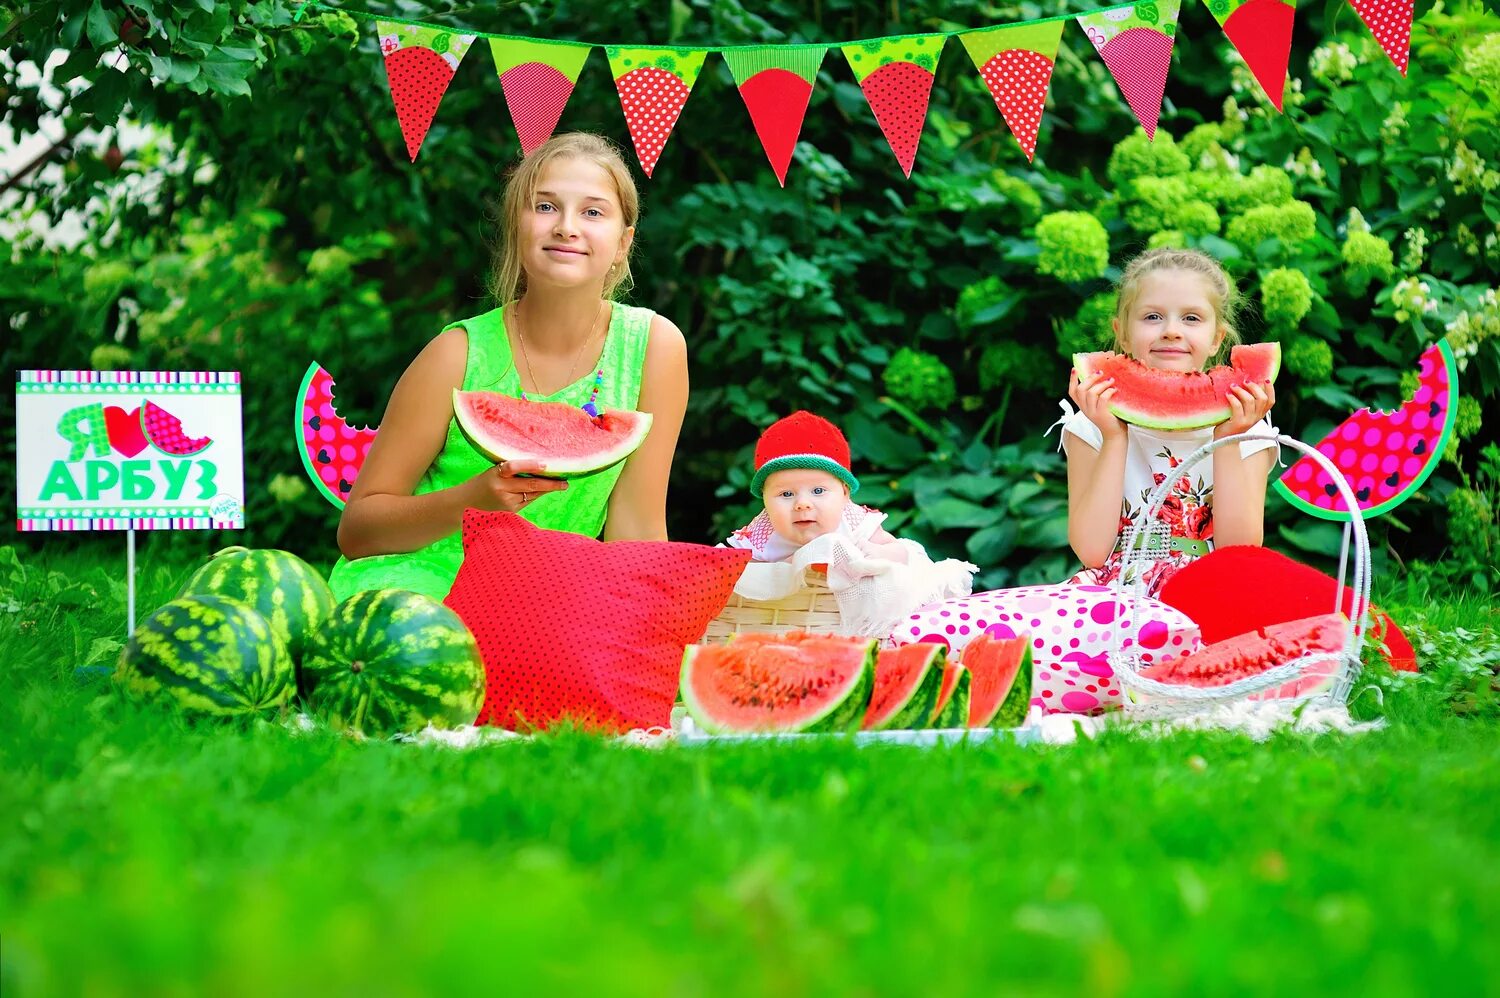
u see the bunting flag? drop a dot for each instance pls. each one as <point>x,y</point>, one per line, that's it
<point>1390,22</point>
<point>1136,45</point>
<point>420,63</point>
<point>896,76</point>
<point>1016,64</point>
<point>776,83</point>
<point>1261,31</point>
<point>654,83</point>
<point>537,79</point>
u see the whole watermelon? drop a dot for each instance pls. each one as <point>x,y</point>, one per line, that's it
<point>389,661</point>
<point>278,585</point>
<point>211,654</point>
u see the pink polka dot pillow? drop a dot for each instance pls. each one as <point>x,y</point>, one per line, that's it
<point>574,628</point>
<point>1070,630</point>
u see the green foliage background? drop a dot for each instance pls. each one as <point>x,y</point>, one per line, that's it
<point>272,219</point>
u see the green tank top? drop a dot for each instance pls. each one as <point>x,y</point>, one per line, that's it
<point>579,509</point>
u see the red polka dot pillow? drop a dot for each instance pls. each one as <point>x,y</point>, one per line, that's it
<point>1070,634</point>
<point>574,628</point>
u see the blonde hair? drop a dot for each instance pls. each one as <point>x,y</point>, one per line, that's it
<point>507,277</point>
<point>1222,294</point>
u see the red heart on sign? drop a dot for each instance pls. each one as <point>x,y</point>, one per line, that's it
<point>124,428</point>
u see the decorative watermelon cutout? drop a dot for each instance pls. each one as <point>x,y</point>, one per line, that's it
<point>564,437</point>
<point>126,431</point>
<point>1385,456</point>
<point>1261,31</point>
<point>907,681</point>
<point>896,76</point>
<point>390,661</point>
<point>654,84</point>
<point>778,683</point>
<point>1176,400</point>
<point>537,79</point>
<point>1001,693</point>
<point>776,85</point>
<point>952,709</point>
<point>1016,65</point>
<point>1390,22</point>
<point>164,430</point>
<point>281,587</point>
<point>332,450</point>
<point>210,654</point>
<point>1246,655</point>
<point>419,63</point>
<point>1136,44</point>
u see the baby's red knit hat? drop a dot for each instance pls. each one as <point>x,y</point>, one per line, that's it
<point>802,440</point>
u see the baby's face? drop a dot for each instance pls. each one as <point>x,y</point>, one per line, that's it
<point>803,503</point>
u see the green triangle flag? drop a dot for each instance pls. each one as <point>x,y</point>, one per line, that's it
<point>654,83</point>
<point>420,63</point>
<point>776,82</point>
<point>896,76</point>
<point>1015,63</point>
<point>537,78</point>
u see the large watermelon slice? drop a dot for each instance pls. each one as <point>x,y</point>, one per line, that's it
<point>211,654</point>
<point>281,587</point>
<point>907,681</point>
<point>1173,400</point>
<point>1384,456</point>
<point>332,450</point>
<point>952,708</point>
<point>564,437</point>
<point>1001,692</point>
<point>164,430</point>
<point>391,661</point>
<point>779,683</point>
<point>1246,655</point>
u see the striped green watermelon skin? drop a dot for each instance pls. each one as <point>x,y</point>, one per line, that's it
<point>278,585</point>
<point>211,654</point>
<point>390,661</point>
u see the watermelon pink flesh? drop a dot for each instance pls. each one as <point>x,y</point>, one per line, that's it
<point>562,436</point>
<point>1385,456</point>
<point>164,430</point>
<point>419,78</point>
<point>1261,31</point>
<point>651,99</point>
<point>777,101</point>
<point>535,94</point>
<point>778,683</point>
<point>332,450</point>
<point>898,93</point>
<point>1018,80</point>
<point>1173,400</point>
<point>1246,655</point>
<point>952,709</point>
<point>907,680</point>
<point>1138,59</point>
<point>1002,679</point>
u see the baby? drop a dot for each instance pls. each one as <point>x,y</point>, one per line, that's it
<point>802,476</point>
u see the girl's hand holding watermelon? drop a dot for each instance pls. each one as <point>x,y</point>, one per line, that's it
<point>1248,405</point>
<point>1093,401</point>
<point>501,488</point>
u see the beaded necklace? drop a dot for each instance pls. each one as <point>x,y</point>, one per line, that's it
<point>589,407</point>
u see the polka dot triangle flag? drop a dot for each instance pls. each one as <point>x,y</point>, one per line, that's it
<point>1390,22</point>
<point>776,83</point>
<point>537,78</point>
<point>654,83</point>
<point>1016,64</point>
<point>1136,44</point>
<point>420,62</point>
<point>1261,31</point>
<point>896,76</point>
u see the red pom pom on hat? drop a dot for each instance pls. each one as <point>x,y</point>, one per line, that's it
<point>802,440</point>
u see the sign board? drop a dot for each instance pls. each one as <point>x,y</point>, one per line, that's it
<point>129,450</point>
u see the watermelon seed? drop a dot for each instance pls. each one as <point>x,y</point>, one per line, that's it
<point>1433,409</point>
<point>344,486</point>
<point>1363,494</point>
<point>1393,479</point>
<point>1332,490</point>
<point>323,457</point>
<point>316,423</point>
<point>357,666</point>
<point>1420,448</point>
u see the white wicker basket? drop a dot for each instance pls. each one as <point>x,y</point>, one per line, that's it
<point>1147,537</point>
<point>811,608</point>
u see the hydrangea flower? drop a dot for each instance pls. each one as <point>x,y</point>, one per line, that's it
<point>1021,195</point>
<point>1265,185</point>
<point>1285,296</point>
<point>1411,295</point>
<point>1196,218</point>
<point>1414,249</point>
<point>1137,156</point>
<point>1293,223</point>
<point>1366,256</point>
<point>1310,359</point>
<point>1483,63</point>
<point>1088,329</point>
<point>920,380</point>
<point>287,488</point>
<point>110,357</point>
<point>1468,417</point>
<point>1332,63</point>
<point>1074,246</point>
<point>979,296</point>
<point>1203,145</point>
<point>1010,362</point>
<point>1167,239</point>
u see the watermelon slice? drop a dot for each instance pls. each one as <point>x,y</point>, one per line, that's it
<point>907,680</point>
<point>952,709</point>
<point>1261,31</point>
<point>779,683</point>
<point>896,76</point>
<point>1173,400</point>
<point>332,450</point>
<point>537,79</point>
<point>1001,695</point>
<point>1250,654</point>
<point>1015,63</point>
<point>654,85</point>
<point>1390,22</point>
<point>1385,456</point>
<point>564,437</point>
<point>164,430</point>
<point>776,84</point>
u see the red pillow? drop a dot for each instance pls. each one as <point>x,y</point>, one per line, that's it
<point>1235,590</point>
<point>572,627</point>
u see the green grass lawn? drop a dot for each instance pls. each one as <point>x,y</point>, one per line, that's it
<point>143,854</point>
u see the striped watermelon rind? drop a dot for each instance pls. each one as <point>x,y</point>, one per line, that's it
<point>391,661</point>
<point>285,590</point>
<point>211,654</point>
<point>906,686</point>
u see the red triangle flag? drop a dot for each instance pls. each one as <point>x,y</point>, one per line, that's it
<point>1390,22</point>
